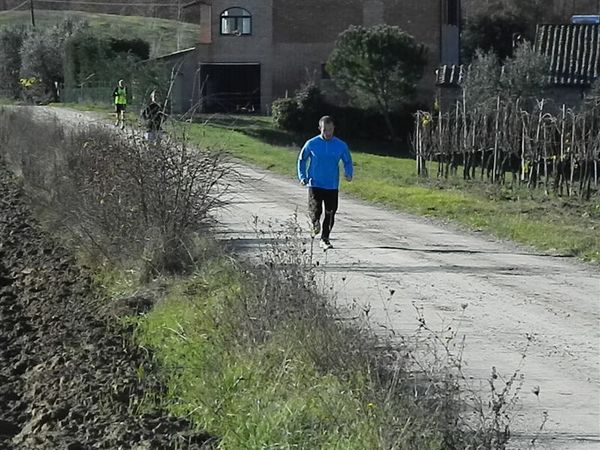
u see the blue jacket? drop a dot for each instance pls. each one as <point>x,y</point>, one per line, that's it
<point>318,162</point>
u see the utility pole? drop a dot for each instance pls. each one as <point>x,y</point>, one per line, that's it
<point>178,24</point>
<point>32,15</point>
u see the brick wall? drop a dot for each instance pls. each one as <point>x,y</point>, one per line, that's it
<point>422,20</point>
<point>302,43</point>
<point>310,21</point>
<point>291,39</point>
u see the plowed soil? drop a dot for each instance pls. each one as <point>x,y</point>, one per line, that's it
<point>70,375</point>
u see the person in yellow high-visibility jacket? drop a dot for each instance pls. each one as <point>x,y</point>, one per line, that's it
<point>120,96</point>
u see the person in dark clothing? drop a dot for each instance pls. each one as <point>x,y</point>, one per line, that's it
<point>153,116</point>
<point>319,169</point>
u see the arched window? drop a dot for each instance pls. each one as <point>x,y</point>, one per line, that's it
<point>236,21</point>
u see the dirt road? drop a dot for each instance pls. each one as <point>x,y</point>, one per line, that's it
<point>500,297</point>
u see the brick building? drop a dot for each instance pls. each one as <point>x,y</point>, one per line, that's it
<point>251,52</point>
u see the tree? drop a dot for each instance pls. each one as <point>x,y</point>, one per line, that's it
<point>525,74</point>
<point>42,56</point>
<point>11,40</point>
<point>482,82</point>
<point>92,62</point>
<point>499,25</point>
<point>521,77</point>
<point>378,66</point>
<point>89,57</point>
<point>492,33</point>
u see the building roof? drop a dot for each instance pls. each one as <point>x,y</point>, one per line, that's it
<point>573,51</point>
<point>174,54</point>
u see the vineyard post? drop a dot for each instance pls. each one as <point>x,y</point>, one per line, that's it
<point>485,131</point>
<point>418,142</point>
<point>572,152</point>
<point>545,144</point>
<point>523,146</point>
<point>584,177</point>
<point>595,149</point>
<point>440,141</point>
<point>536,156</point>
<point>465,136</point>
<point>456,144</point>
<point>562,147</point>
<point>496,140</point>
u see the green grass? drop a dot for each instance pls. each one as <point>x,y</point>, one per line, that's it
<point>559,225</point>
<point>266,395</point>
<point>161,34</point>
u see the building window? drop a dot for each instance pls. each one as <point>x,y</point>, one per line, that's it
<point>236,22</point>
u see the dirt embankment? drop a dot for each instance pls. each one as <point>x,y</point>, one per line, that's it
<point>70,377</point>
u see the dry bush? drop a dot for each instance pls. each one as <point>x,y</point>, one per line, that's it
<point>121,198</point>
<point>285,292</point>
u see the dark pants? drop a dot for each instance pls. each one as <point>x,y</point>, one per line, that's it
<point>317,198</point>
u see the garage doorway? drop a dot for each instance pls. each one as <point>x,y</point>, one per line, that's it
<point>230,88</point>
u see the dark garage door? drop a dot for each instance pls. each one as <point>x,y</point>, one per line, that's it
<point>230,87</point>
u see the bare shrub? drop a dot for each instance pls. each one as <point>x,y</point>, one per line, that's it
<point>120,198</point>
<point>285,293</point>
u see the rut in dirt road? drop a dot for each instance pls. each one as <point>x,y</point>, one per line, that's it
<point>70,377</point>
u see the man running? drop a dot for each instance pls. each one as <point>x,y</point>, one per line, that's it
<point>153,116</point>
<point>318,168</point>
<point>120,96</point>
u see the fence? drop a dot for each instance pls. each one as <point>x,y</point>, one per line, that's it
<point>539,144</point>
<point>99,93</point>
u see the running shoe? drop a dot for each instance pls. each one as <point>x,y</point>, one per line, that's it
<point>325,244</point>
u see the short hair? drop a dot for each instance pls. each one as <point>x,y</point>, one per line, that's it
<point>326,119</point>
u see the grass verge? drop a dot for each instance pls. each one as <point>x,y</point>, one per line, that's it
<point>268,395</point>
<point>259,358</point>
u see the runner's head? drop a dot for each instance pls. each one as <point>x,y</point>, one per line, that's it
<point>326,127</point>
